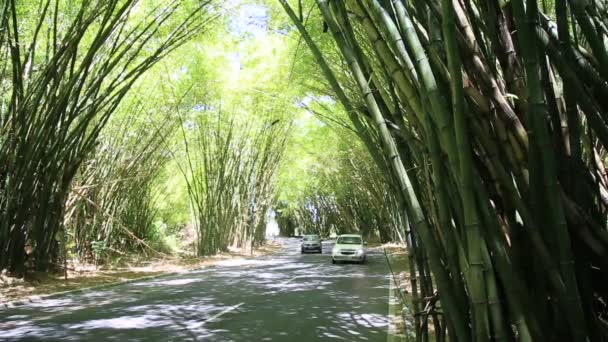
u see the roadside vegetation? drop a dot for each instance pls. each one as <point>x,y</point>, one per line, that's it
<point>137,130</point>
<point>66,69</point>
<point>489,119</point>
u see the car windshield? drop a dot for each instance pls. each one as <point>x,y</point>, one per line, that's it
<point>349,240</point>
<point>311,238</point>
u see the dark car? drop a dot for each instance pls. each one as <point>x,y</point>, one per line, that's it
<point>311,243</point>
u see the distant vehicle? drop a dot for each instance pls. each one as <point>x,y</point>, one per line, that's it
<point>311,242</point>
<point>349,247</point>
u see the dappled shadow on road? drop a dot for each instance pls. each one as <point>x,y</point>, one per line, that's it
<point>336,315</point>
<point>174,307</point>
<point>315,303</point>
<point>347,326</point>
<point>285,298</point>
<point>111,319</point>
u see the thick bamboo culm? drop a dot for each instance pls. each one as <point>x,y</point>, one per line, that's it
<point>507,100</point>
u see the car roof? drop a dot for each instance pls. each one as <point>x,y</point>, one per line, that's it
<point>349,235</point>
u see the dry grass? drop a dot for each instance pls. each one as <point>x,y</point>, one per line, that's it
<point>394,248</point>
<point>81,276</point>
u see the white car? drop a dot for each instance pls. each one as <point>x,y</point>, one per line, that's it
<point>349,247</point>
<point>311,242</point>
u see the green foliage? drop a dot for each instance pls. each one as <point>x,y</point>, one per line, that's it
<point>162,239</point>
<point>248,88</point>
<point>328,182</point>
<point>100,251</point>
<point>67,67</point>
<point>230,168</point>
<point>502,187</point>
<point>112,198</point>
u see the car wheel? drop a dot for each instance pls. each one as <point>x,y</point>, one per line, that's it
<point>301,251</point>
<point>333,261</point>
<point>320,251</point>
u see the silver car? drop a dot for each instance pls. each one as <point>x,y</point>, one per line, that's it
<point>349,247</point>
<point>311,243</point>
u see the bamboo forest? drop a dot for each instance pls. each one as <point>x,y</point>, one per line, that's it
<point>468,136</point>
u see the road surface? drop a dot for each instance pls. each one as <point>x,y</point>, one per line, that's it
<point>283,297</point>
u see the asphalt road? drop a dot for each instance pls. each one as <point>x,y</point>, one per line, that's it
<point>284,297</point>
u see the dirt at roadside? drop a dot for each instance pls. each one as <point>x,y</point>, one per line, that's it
<point>81,276</point>
<point>400,322</point>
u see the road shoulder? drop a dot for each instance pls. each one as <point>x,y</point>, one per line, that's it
<point>15,292</point>
<point>400,327</point>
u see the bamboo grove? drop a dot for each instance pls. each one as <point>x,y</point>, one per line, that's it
<point>112,201</point>
<point>230,170</point>
<point>354,197</point>
<point>492,120</point>
<point>66,67</point>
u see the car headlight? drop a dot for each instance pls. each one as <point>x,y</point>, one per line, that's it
<point>360,252</point>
